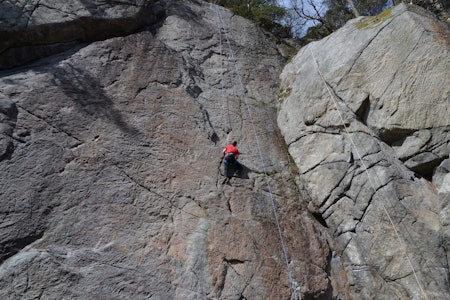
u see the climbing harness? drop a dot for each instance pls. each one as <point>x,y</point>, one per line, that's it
<point>366,171</point>
<point>263,164</point>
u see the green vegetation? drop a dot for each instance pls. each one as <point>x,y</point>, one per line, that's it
<point>283,94</point>
<point>266,13</point>
<point>321,17</point>
<point>339,12</point>
<point>375,20</point>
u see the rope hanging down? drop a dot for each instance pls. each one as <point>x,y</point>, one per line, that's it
<point>366,170</point>
<point>263,164</point>
<point>226,113</point>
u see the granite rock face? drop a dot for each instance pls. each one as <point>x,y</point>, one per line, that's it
<point>111,177</point>
<point>110,150</point>
<point>365,113</point>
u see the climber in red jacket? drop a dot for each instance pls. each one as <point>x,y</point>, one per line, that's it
<point>230,156</point>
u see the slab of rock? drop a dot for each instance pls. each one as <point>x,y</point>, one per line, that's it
<point>113,186</point>
<point>31,29</point>
<point>365,115</point>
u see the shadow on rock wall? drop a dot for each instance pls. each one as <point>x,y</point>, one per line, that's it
<point>90,98</point>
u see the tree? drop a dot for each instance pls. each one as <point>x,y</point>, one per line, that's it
<point>319,17</point>
<point>307,12</point>
<point>353,7</point>
<point>441,8</point>
<point>266,13</point>
<point>371,7</point>
<point>326,16</point>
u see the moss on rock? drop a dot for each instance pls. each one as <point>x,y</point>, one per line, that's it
<point>370,22</point>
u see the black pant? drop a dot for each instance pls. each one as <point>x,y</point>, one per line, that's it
<point>231,165</point>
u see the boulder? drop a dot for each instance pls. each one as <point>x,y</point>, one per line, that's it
<point>365,115</point>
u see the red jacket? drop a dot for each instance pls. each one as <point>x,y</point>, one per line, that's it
<point>231,149</point>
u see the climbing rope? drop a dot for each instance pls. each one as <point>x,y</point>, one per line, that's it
<point>225,110</point>
<point>263,164</point>
<point>367,171</point>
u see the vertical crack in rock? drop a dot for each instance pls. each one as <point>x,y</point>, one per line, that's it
<point>30,14</point>
<point>194,74</point>
<point>364,110</point>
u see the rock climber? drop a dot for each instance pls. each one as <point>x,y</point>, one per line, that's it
<point>231,165</point>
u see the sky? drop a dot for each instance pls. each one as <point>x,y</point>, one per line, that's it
<point>288,3</point>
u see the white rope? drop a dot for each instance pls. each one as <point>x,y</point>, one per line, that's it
<point>225,111</point>
<point>244,92</point>
<point>366,170</point>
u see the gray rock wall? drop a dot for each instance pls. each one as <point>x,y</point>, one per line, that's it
<point>365,114</point>
<point>110,156</point>
<point>32,29</point>
<point>110,163</point>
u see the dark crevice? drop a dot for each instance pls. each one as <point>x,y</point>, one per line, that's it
<point>234,261</point>
<point>229,208</point>
<point>6,149</point>
<point>394,135</point>
<point>206,125</point>
<point>194,91</point>
<point>12,247</point>
<point>214,138</point>
<point>319,218</point>
<point>8,119</point>
<point>9,109</point>
<point>363,111</point>
<point>426,169</point>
